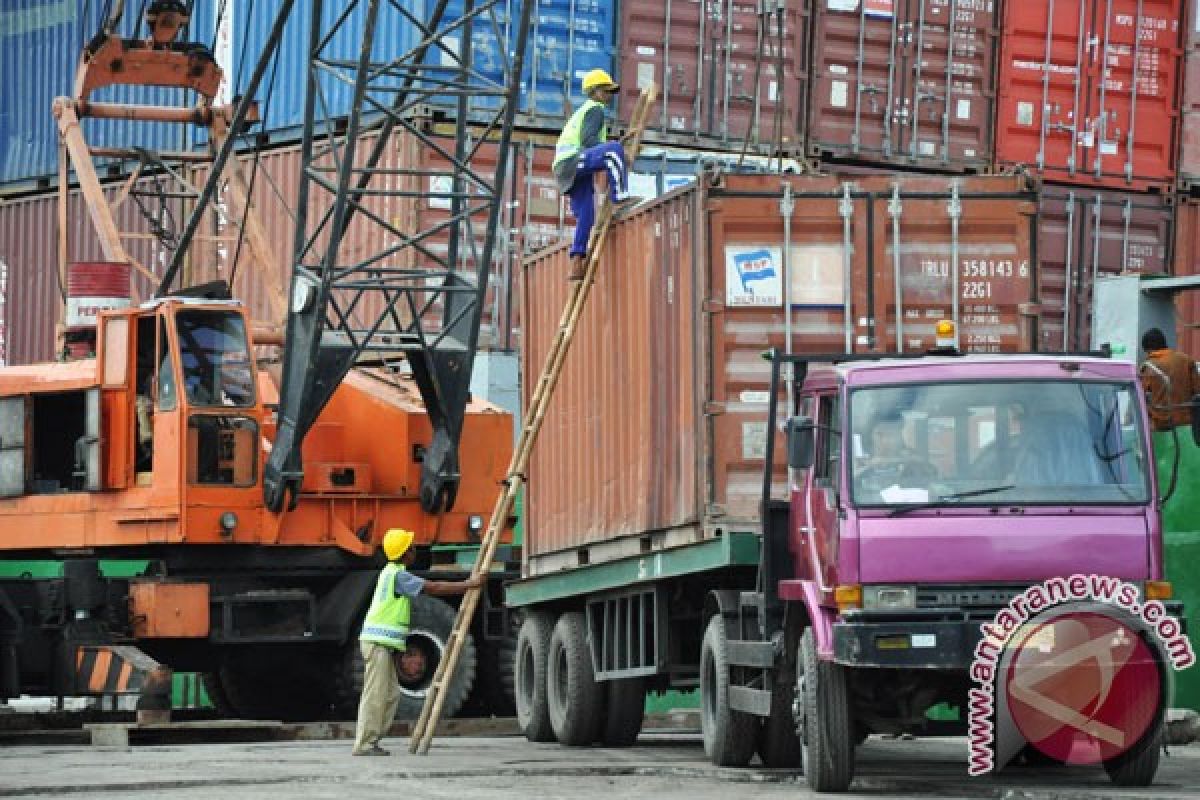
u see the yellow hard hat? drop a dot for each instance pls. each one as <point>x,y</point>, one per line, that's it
<point>396,542</point>
<point>599,79</point>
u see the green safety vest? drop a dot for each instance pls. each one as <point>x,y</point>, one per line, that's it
<point>387,618</point>
<point>569,143</point>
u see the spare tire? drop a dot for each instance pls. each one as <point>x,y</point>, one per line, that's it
<point>430,624</point>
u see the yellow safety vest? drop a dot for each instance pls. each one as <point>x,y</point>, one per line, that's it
<point>388,617</point>
<point>569,143</point>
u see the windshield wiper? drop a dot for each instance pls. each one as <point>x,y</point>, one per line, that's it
<point>948,499</point>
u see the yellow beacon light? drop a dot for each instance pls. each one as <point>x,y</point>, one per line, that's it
<point>945,335</point>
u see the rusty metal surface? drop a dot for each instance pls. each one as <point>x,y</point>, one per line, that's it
<point>29,247</point>
<point>532,218</point>
<point>904,82</point>
<point>1187,262</point>
<point>1189,112</point>
<point>1087,233</point>
<point>1065,105</point>
<point>704,55</point>
<point>658,422</point>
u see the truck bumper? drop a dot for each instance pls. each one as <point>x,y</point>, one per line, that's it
<point>869,640</point>
<point>918,639</point>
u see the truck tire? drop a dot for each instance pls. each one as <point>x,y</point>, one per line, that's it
<point>262,682</point>
<point>729,736</point>
<point>493,693</point>
<point>1138,766</point>
<point>779,744</point>
<point>430,623</point>
<point>827,731</point>
<point>623,711</point>
<point>529,675</point>
<point>572,694</point>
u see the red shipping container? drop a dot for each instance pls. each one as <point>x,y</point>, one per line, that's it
<point>904,82</point>
<point>1084,234</point>
<point>1066,105</point>
<point>704,56</point>
<point>1189,126</point>
<point>655,435</point>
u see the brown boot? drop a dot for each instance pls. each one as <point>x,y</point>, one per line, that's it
<point>578,268</point>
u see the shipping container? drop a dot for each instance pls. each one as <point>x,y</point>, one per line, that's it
<point>904,82</point>
<point>40,45</point>
<point>1066,105</point>
<point>655,435</point>
<point>1189,125</point>
<point>1187,262</point>
<point>567,38</point>
<point>726,69</point>
<point>1084,234</point>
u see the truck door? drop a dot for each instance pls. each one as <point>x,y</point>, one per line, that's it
<point>824,487</point>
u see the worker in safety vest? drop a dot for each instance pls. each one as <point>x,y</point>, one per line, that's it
<point>583,150</point>
<point>1170,379</point>
<point>383,636</point>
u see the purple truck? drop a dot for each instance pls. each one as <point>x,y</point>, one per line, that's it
<point>926,494</point>
<point>922,497</point>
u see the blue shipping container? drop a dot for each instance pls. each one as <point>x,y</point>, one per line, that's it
<point>40,44</point>
<point>568,38</point>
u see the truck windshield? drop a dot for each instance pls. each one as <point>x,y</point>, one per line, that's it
<point>215,358</point>
<point>1034,442</point>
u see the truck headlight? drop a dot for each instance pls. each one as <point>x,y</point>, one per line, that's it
<point>889,597</point>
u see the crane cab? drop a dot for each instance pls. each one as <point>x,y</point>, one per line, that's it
<point>156,439</point>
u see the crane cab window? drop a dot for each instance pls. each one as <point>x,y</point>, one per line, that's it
<point>215,358</point>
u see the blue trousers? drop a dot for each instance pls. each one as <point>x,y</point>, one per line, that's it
<point>609,157</point>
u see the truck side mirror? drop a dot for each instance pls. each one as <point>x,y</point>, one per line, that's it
<point>1196,419</point>
<point>800,442</point>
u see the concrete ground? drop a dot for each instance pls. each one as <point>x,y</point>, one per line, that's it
<point>663,766</point>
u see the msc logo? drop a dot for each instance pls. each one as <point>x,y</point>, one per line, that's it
<point>755,265</point>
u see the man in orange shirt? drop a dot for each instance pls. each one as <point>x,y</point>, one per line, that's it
<point>1170,380</point>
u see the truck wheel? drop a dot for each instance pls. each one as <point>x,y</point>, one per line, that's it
<point>430,623</point>
<point>729,736</point>
<point>778,742</point>
<point>1138,766</point>
<point>261,682</point>
<point>826,728</point>
<point>623,712</point>
<point>572,694</point>
<point>529,675</point>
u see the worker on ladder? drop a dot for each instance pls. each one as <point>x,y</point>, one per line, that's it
<point>583,150</point>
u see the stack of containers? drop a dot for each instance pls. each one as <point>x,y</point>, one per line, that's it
<point>1187,228</point>
<point>1089,98</point>
<point>955,88</point>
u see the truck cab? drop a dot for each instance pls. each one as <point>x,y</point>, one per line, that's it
<point>925,494</point>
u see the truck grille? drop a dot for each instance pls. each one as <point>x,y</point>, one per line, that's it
<point>979,602</point>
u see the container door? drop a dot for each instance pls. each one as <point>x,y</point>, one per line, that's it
<point>12,446</point>
<point>1130,126</point>
<point>948,68</point>
<point>1042,102</point>
<point>858,104</point>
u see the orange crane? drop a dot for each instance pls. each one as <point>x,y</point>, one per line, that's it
<point>258,499</point>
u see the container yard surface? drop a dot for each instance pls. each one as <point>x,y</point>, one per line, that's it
<point>661,766</point>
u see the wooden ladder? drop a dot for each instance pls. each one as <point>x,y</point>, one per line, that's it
<point>422,733</point>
